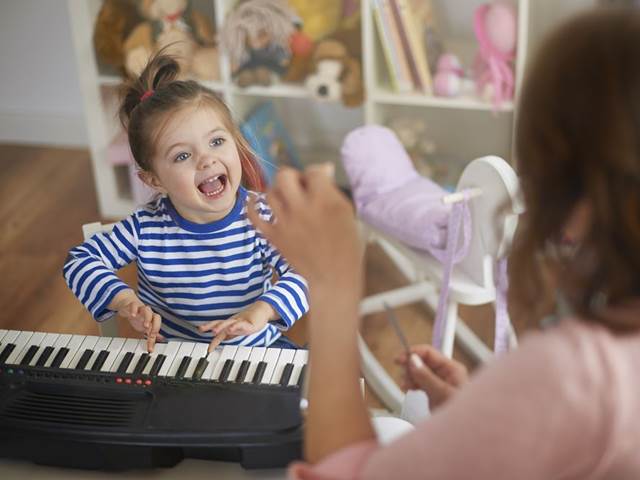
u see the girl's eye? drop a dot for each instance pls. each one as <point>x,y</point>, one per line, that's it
<point>216,142</point>
<point>181,157</point>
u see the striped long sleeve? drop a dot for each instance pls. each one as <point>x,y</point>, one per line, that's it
<point>190,273</point>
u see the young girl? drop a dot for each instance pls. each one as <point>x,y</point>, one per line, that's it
<point>204,273</point>
<point>565,404</point>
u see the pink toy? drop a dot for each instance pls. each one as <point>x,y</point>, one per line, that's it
<point>495,26</point>
<point>448,79</point>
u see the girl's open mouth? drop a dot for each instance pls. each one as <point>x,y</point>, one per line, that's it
<point>213,186</point>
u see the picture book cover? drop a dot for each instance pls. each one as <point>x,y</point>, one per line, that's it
<point>269,139</point>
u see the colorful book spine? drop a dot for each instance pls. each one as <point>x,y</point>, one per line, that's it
<point>416,44</point>
<point>400,80</point>
<point>405,72</point>
<point>404,42</point>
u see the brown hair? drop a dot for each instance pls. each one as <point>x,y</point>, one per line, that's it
<point>149,100</point>
<point>578,140</point>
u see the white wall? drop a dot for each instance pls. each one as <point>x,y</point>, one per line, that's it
<point>40,100</point>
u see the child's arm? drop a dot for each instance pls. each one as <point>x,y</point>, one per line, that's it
<point>90,267</point>
<point>289,295</point>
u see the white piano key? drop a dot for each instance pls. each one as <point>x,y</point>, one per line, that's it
<point>21,341</point>
<point>2,334</point>
<point>271,359</point>
<point>243,353</point>
<point>170,352</point>
<point>199,351</point>
<point>48,341</point>
<point>213,359</point>
<point>113,348</point>
<point>73,346</point>
<point>286,356</point>
<point>184,351</point>
<point>158,349</point>
<point>87,344</point>
<point>228,352</point>
<point>300,359</point>
<point>130,344</point>
<point>137,353</point>
<point>61,342</point>
<point>102,344</point>
<point>256,356</point>
<point>34,340</point>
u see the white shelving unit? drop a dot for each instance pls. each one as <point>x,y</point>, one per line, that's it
<point>462,128</point>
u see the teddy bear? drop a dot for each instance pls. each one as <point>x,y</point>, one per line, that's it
<point>336,67</point>
<point>172,25</point>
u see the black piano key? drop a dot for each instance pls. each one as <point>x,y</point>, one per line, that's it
<point>226,369</point>
<point>200,368</point>
<point>157,365</point>
<point>257,378</point>
<point>184,364</point>
<point>303,371</point>
<point>124,364</point>
<point>242,371</point>
<point>144,359</point>
<point>59,358</point>
<point>10,347</point>
<point>44,356</point>
<point>29,355</point>
<point>100,359</point>
<point>84,359</point>
<point>286,374</point>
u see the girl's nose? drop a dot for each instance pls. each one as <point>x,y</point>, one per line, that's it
<point>205,160</point>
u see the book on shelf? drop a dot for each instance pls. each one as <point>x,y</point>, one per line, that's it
<point>270,140</point>
<point>415,48</point>
<point>397,65</point>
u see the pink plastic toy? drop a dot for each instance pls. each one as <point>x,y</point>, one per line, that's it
<point>448,79</point>
<point>495,26</point>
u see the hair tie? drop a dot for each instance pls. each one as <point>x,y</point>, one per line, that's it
<point>146,95</point>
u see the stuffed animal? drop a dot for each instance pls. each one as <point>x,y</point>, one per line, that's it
<point>337,67</point>
<point>413,135</point>
<point>495,26</point>
<point>128,33</point>
<point>174,26</point>
<point>450,79</point>
<point>256,36</point>
<point>319,18</point>
<point>114,23</point>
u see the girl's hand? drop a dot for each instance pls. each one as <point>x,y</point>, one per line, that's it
<point>436,374</point>
<point>250,320</point>
<point>139,315</point>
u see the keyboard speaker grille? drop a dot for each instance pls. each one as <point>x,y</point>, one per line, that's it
<point>70,409</point>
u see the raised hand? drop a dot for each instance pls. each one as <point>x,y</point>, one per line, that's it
<point>436,374</point>
<point>250,320</point>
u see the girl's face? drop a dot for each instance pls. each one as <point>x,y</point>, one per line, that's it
<point>197,165</point>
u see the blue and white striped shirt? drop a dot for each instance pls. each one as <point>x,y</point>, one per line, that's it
<point>189,273</point>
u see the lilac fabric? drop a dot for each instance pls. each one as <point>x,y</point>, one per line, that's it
<point>390,194</point>
<point>393,197</point>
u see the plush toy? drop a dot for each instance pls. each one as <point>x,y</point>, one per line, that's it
<point>450,79</point>
<point>127,33</point>
<point>114,23</point>
<point>337,67</point>
<point>413,134</point>
<point>256,36</point>
<point>176,27</point>
<point>495,26</point>
<point>319,18</point>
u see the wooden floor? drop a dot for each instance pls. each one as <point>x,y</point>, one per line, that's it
<point>46,194</point>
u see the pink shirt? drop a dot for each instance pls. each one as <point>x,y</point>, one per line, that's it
<point>564,405</point>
